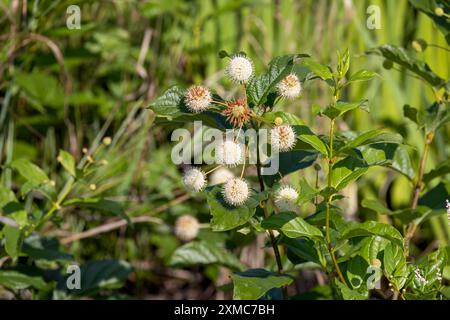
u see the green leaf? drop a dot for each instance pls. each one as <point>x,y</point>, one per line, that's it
<point>31,172</point>
<point>372,137</point>
<point>98,275</point>
<point>204,253</point>
<point>318,69</point>
<point>67,161</point>
<point>254,283</point>
<point>372,247</point>
<point>305,250</point>
<point>100,204</point>
<point>361,75</point>
<point>292,226</point>
<point>44,249</point>
<point>259,88</point>
<point>226,217</point>
<point>347,170</point>
<point>306,135</point>
<point>373,228</point>
<point>15,280</point>
<point>343,107</point>
<point>389,155</point>
<point>343,63</point>
<point>395,266</point>
<point>400,56</point>
<point>12,240</point>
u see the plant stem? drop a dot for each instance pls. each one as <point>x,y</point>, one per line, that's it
<point>412,227</point>
<point>328,205</point>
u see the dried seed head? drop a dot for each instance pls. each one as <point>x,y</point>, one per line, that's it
<point>289,87</point>
<point>230,153</point>
<point>282,138</point>
<point>194,179</point>
<point>198,98</point>
<point>220,175</point>
<point>237,113</point>
<point>186,228</point>
<point>236,191</point>
<point>239,69</point>
<point>285,199</point>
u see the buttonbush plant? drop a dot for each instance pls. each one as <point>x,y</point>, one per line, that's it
<point>308,228</point>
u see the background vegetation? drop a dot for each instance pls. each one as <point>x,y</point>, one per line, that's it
<point>64,89</point>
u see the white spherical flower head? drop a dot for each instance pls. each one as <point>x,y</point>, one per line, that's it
<point>230,153</point>
<point>194,179</point>
<point>198,98</point>
<point>186,228</point>
<point>285,199</point>
<point>236,191</point>
<point>239,69</point>
<point>220,175</point>
<point>282,138</point>
<point>290,87</point>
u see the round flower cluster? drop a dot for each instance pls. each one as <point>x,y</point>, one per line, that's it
<point>282,138</point>
<point>230,153</point>
<point>285,199</point>
<point>236,191</point>
<point>289,87</point>
<point>198,98</point>
<point>186,228</point>
<point>239,69</point>
<point>194,179</point>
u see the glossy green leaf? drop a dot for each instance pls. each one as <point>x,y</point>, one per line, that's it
<point>292,226</point>
<point>306,135</point>
<point>373,228</point>
<point>372,137</point>
<point>204,253</point>
<point>254,283</point>
<point>394,265</point>
<point>346,171</point>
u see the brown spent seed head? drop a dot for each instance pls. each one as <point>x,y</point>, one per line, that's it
<point>237,112</point>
